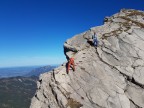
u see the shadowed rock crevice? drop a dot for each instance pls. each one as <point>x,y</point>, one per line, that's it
<point>135,104</point>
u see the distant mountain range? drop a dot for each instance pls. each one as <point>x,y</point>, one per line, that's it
<point>40,70</point>
<point>16,71</point>
<point>24,71</point>
<point>16,92</point>
<point>18,85</point>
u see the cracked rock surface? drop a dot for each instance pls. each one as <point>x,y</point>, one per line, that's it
<point>109,76</point>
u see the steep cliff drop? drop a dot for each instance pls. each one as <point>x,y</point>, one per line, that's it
<point>109,76</point>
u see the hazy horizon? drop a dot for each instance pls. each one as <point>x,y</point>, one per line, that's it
<point>41,65</point>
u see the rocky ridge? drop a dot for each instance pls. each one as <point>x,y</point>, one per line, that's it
<point>109,76</point>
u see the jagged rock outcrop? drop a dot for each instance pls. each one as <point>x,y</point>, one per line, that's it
<point>109,76</point>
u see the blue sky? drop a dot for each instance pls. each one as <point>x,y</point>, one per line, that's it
<point>32,32</point>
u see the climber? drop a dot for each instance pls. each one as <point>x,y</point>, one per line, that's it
<point>95,41</point>
<point>71,64</point>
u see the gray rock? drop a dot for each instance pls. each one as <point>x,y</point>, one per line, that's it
<point>109,76</point>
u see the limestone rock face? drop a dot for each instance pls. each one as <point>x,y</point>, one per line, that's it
<point>109,76</point>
